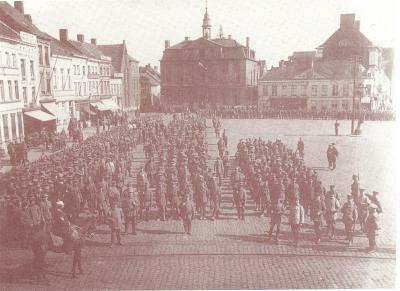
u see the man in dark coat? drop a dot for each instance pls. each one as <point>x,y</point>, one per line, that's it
<point>187,214</point>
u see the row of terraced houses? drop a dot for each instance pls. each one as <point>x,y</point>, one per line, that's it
<point>46,80</point>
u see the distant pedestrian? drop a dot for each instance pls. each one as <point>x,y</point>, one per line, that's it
<point>337,124</point>
<point>187,214</point>
<point>372,227</point>
<point>300,147</point>
<point>116,221</point>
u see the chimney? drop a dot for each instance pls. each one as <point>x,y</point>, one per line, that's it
<point>166,44</point>
<point>247,41</point>
<point>229,36</point>
<point>186,38</point>
<point>19,5</point>
<point>93,41</point>
<point>28,17</point>
<point>357,25</point>
<point>347,21</point>
<point>80,37</point>
<point>63,34</point>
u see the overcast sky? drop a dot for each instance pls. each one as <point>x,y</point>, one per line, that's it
<point>276,27</point>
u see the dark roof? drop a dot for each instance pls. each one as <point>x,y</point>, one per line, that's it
<point>352,34</point>
<point>87,49</point>
<point>62,48</point>
<point>18,22</point>
<point>188,49</point>
<point>7,32</point>
<point>115,51</point>
<point>333,70</point>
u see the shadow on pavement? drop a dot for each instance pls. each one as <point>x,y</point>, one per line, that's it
<point>22,274</point>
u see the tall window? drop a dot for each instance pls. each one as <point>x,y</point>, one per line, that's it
<point>314,90</point>
<point>303,90</point>
<point>62,79</point>
<point>346,90</point>
<point>55,78</point>
<point>3,97</point>
<point>16,89</point>
<point>78,70</point>
<point>25,96</point>
<point>284,88</point>
<point>42,83</point>
<point>294,90</point>
<point>8,63</point>
<point>23,69</point>
<point>33,94</point>
<point>40,55</point>
<point>48,83</point>
<point>20,128</point>
<point>5,127</point>
<point>13,126</point>
<point>83,70</point>
<point>32,70</point>
<point>335,90</point>
<point>324,90</point>
<point>46,56</point>
<point>274,90</point>
<point>14,60</point>
<point>69,78</point>
<point>10,91</point>
<point>84,88</point>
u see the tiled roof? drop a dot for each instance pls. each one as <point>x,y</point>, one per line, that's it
<point>115,51</point>
<point>87,49</point>
<point>17,21</point>
<point>332,70</point>
<point>7,32</point>
<point>62,48</point>
<point>354,35</point>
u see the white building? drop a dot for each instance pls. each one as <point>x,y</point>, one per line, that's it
<point>18,81</point>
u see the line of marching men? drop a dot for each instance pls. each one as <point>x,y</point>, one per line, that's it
<point>280,183</point>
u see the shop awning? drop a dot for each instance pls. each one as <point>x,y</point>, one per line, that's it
<point>40,115</point>
<point>53,109</point>
<point>99,106</point>
<point>111,105</point>
<point>88,111</point>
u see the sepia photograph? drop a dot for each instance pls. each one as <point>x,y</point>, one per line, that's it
<point>198,144</point>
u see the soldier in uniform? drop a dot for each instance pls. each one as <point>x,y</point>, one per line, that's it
<point>225,162</point>
<point>239,199</point>
<point>374,200</point>
<point>355,188</point>
<point>46,210</point>
<point>362,208</point>
<point>219,169</point>
<point>161,196</point>
<point>129,204</point>
<point>187,214</point>
<point>215,197</point>
<point>277,210</point>
<point>332,207</point>
<point>350,215</point>
<point>317,214</point>
<point>372,227</point>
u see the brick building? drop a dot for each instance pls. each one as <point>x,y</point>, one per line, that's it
<point>209,70</point>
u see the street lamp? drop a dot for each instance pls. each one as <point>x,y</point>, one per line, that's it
<point>355,59</point>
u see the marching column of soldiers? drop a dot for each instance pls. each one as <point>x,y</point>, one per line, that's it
<point>279,182</point>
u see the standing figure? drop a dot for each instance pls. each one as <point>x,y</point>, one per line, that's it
<point>296,219</point>
<point>332,207</point>
<point>187,214</point>
<point>337,124</point>
<point>350,215</point>
<point>300,147</point>
<point>317,215</point>
<point>239,199</point>
<point>372,227</point>
<point>116,221</point>
<point>277,210</point>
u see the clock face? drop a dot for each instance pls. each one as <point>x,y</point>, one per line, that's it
<point>344,42</point>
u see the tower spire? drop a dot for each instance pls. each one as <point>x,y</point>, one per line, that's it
<point>221,32</point>
<point>206,24</point>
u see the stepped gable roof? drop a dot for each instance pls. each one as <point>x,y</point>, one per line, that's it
<point>115,51</point>
<point>356,36</point>
<point>7,32</point>
<point>18,22</point>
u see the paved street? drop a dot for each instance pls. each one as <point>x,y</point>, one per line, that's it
<point>234,254</point>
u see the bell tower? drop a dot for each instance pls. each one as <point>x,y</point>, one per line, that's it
<point>206,25</point>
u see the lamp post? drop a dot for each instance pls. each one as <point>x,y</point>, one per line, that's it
<point>355,59</point>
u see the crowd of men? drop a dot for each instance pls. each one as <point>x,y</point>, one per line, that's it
<point>253,112</point>
<point>18,153</point>
<point>84,175</point>
<point>279,182</point>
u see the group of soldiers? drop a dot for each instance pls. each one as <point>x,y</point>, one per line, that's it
<point>18,153</point>
<point>253,112</point>
<point>86,175</point>
<point>279,182</point>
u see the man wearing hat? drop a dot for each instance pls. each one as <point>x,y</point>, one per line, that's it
<point>372,227</point>
<point>129,204</point>
<point>187,214</point>
<point>362,208</point>
<point>46,210</point>
<point>317,212</point>
<point>219,169</point>
<point>329,154</point>
<point>350,215</point>
<point>355,188</point>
